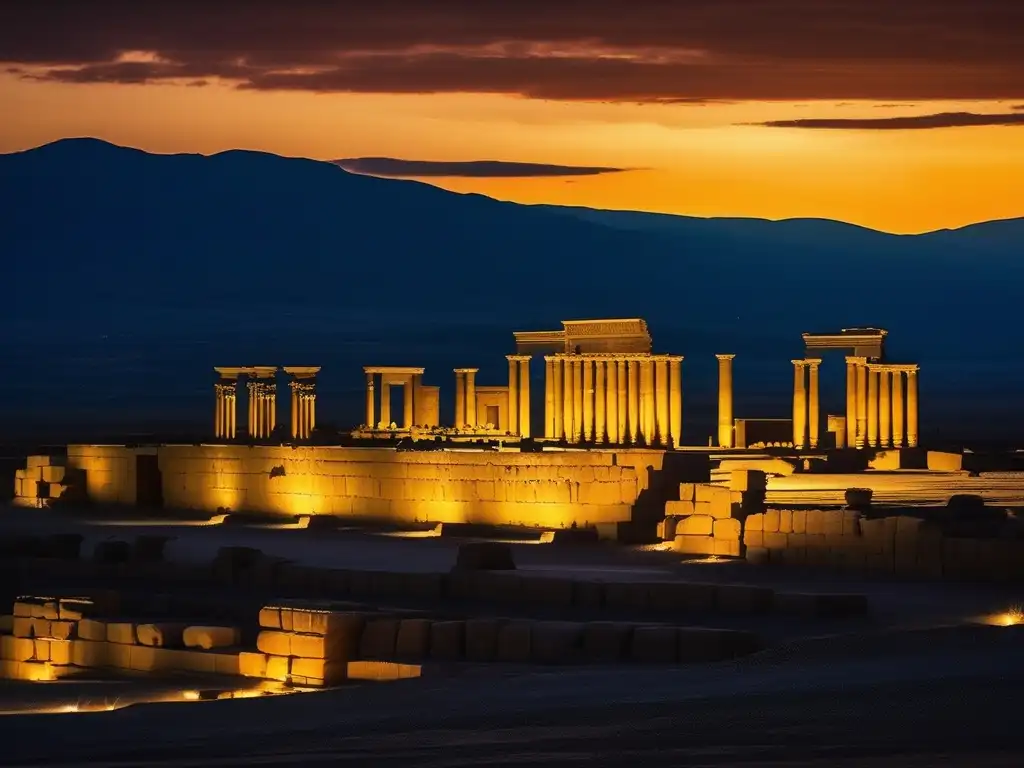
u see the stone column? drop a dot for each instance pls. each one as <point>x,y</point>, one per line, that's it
<point>385,403</point>
<point>884,409</point>
<point>370,415</point>
<point>254,400</point>
<point>620,400</point>
<point>588,399</point>
<point>460,399</point>
<point>293,386</point>
<point>471,417</point>
<point>725,417</point>
<point>862,403</point>
<point>897,408</point>
<point>513,395</point>
<point>232,406</point>
<point>549,398</point>
<point>647,401</point>
<point>558,417</point>
<point>408,407</point>
<point>872,406</point>
<point>271,409</point>
<point>524,397</point>
<point>799,404</point>
<point>600,402</point>
<point>814,412</point>
<point>612,400</point>
<point>567,399</point>
<point>851,401</point>
<point>912,407</point>
<point>218,411</point>
<point>311,417</point>
<point>675,402</point>
<point>634,401</point>
<point>577,400</point>
<point>661,400</point>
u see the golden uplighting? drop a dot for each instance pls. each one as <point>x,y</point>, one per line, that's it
<point>1011,617</point>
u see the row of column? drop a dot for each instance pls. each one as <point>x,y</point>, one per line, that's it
<point>465,397</point>
<point>875,410</point>
<point>613,399</point>
<point>262,406</point>
<point>877,414</point>
<point>519,395</point>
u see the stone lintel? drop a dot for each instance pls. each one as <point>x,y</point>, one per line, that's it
<point>857,360</point>
<point>301,371</point>
<point>799,362</point>
<point>384,369</point>
<point>263,371</point>
<point>904,367</point>
<point>466,370</point>
<point>232,372</point>
<point>519,358</point>
<point>725,357</point>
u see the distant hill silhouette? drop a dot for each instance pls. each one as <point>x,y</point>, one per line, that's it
<point>130,274</point>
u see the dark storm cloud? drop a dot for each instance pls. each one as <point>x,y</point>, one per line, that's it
<point>646,50</point>
<point>914,122</point>
<point>390,166</point>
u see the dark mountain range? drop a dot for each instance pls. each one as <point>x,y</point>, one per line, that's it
<point>130,274</point>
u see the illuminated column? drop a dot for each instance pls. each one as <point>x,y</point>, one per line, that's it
<point>408,415</point>
<point>460,399</point>
<point>577,400</point>
<point>884,409</point>
<point>862,402</point>
<point>567,399</point>
<point>385,403</point>
<point>558,379</point>
<point>471,418</point>
<point>647,401</point>
<point>600,402</point>
<point>549,398</point>
<point>294,387</point>
<point>799,404</point>
<point>253,387</point>
<point>588,399</point>
<point>513,395</point>
<point>814,412</point>
<point>612,402</point>
<point>218,411</point>
<point>634,401</point>
<point>872,406</point>
<point>725,418</point>
<point>524,396</point>
<point>311,414</point>
<point>675,402</point>
<point>271,409</point>
<point>620,400</point>
<point>851,401</point>
<point>661,400</point>
<point>232,406</point>
<point>912,406</point>
<point>369,406</point>
<point>897,408</point>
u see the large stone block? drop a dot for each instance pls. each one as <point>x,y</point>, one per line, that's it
<point>606,641</point>
<point>163,635</point>
<point>514,641</point>
<point>697,644</point>
<point>379,639</point>
<point>729,529</point>
<point>694,545</point>
<point>317,672</point>
<point>447,640</point>
<point>553,642</point>
<point>121,633</point>
<point>695,525</point>
<point>206,637</point>
<point>654,644</point>
<point>819,605</point>
<point>482,639</point>
<point>413,639</point>
<point>252,664</point>
<point>274,642</point>
<point>754,522</point>
<point>743,598</point>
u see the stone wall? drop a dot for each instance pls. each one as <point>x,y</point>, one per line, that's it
<point>550,489</point>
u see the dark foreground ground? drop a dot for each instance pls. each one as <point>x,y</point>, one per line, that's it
<point>914,686</point>
<point>956,705</point>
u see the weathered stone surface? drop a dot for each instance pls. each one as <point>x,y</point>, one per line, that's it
<point>485,556</point>
<point>654,644</point>
<point>821,605</point>
<point>482,639</point>
<point>379,639</point>
<point>555,641</point>
<point>447,640</point>
<point>606,641</point>
<point>743,598</point>
<point>515,641</point>
<point>413,640</point>
<point>163,635</point>
<point>697,644</point>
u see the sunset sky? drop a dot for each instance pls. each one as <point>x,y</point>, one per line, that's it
<point>903,115</point>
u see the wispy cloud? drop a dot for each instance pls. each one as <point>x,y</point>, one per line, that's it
<point>395,167</point>
<point>913,122</point>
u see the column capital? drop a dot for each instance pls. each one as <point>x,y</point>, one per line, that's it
<point>814,362</point>
<point>467,370</point>
<point>519,358</point>
<point>856,360</point>
<point>671,358</point>
<point>799,363</point>
<point>723,358</point>
<point>302,371</point>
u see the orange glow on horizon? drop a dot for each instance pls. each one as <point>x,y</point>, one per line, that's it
<point>694,160</point>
